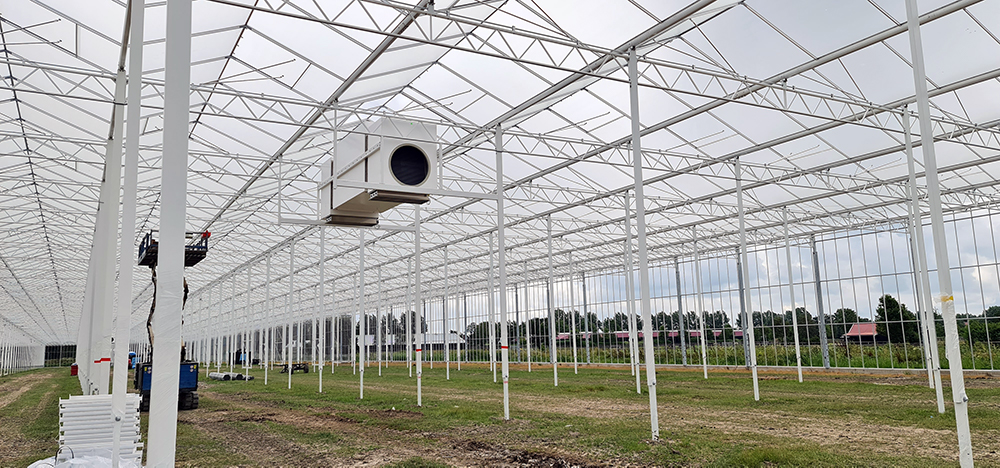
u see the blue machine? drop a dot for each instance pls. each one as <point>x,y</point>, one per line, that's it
<point>187,396</point>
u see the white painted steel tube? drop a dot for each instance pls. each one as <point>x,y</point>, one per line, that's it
<point>409,316</point>
<point>417,300</point>
<point>136,11</point>
<point>321,345</point>
<point>745,272</point>
<point>640,216</point>
<point>552,310</point>
<point>698,302</point>
<point>925,303</point>
<point>527,316</point>
<point>502,263</point>
<point>363,339</point>
<point>444,319</point>
<point>791,296</point>
<point>173,203</point>
<point>491,301</point>
<point>959,397</point>
<point>288,300</point>
<point>633,337</point>
<point>572,314</point>
<point>269,348</point>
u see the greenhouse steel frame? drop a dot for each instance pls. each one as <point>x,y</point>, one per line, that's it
<point>634,183</point>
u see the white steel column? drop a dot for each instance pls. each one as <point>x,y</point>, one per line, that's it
<point>959,398</point>
<point>173,204</point>
<point>791,295</point>
<point>322,304</point>
<point>745,273</point>
<point>640,217</point>
<point>334,327</point>
<point>270,327</point>
<point>527,316</point>
<point>379,328</point>
<point>444,319</point>
<point>923,283</point>
<point>216,323</point>
<point>824,345</point>
<point>417,301</point>
<point>231,338</point>
<point>104,284</point>
<point>247,343</point>
<point>493,314</point>
<point>136,11</point>
<point>288,310</point>
<point>698,302</point>
<point>458,345</point>
<point>502,261</point>
<point>363,341</point>
<point>552,310</point>
<point>354,335</point>
<point>586,319</point>
<point>681,316</point>
<point>633,336</point>
<point>408,317</point>
<point>572,313</point>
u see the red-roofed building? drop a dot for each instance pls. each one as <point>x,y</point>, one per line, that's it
<point>861,333</point>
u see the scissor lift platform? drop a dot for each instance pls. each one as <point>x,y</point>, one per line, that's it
<point>194,252</point>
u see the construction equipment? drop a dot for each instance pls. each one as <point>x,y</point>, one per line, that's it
<point>296,366</point>
<point>187,392</point>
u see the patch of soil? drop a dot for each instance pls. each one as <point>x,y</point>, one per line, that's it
<point>13,389</point>
<point>363,445</point>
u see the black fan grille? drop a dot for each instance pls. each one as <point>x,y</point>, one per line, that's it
<point>409,165</point>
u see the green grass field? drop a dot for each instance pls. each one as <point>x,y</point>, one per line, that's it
<point>595,418</point>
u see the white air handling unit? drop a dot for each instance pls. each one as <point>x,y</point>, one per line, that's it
<point>378,166</point>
